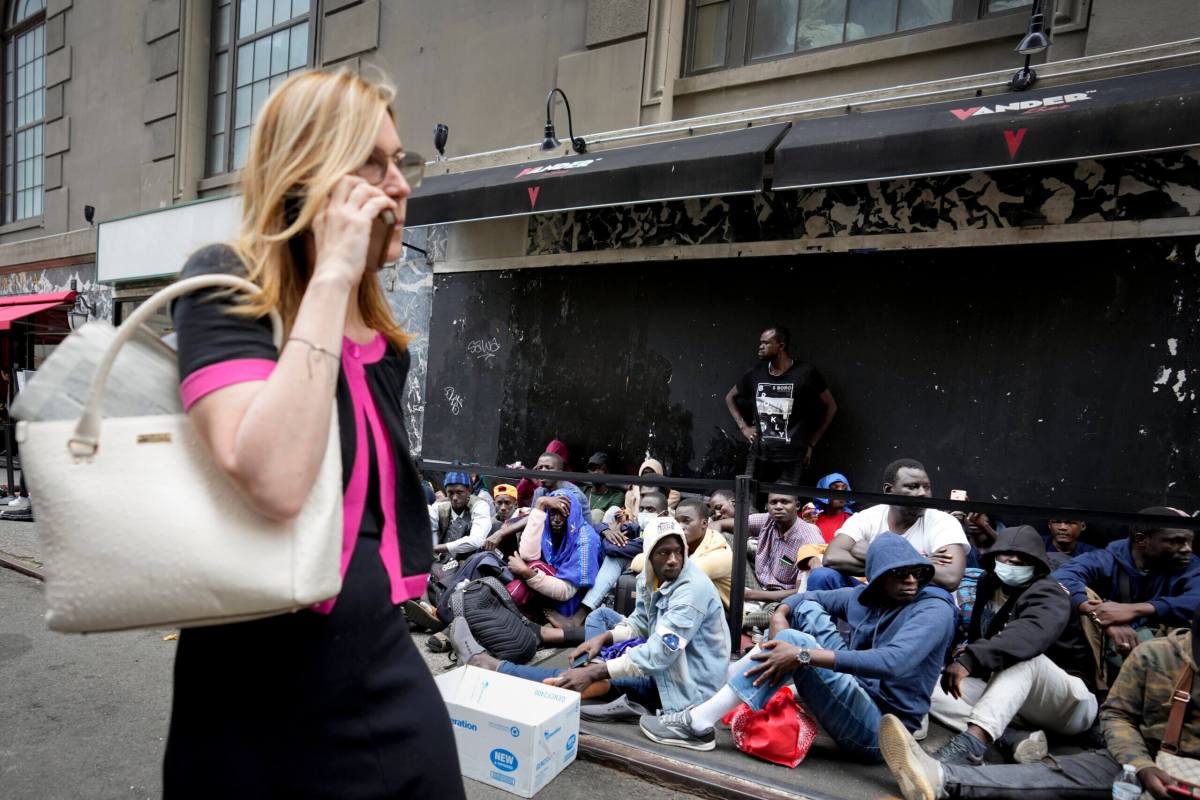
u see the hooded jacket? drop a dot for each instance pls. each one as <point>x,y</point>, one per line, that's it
<point>896,651</point>
<point>687,637</point>
<point>1035,619</point>
<point>633,497</point>
<point>1174,595</point>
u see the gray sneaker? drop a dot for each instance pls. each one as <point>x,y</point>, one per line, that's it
<point>464,644</point>
<point>621,708</point>
<point>676,730</point>
<point>919,775</point>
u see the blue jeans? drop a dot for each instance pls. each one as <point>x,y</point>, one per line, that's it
<point>836,700</point>
<point>642,690</point>
<point>606,579</point>
<point>825,578</point>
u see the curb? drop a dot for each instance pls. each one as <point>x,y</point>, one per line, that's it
<point>675,774</point>
<point>21,567</point>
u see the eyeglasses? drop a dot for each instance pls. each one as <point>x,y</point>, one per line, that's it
<point>411,166</point>
<point>904,573</point>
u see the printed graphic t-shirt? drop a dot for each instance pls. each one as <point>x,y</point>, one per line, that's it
<point>787,407</point>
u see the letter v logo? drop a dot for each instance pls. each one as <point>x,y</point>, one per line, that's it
<point>1014,139</point>
<point>533,194</point>
<point>963,113</point>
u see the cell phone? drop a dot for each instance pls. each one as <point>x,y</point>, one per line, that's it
<point>958,494</point>
<point>382,230</point>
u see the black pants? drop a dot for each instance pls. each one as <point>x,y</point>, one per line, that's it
<point>305,706</point>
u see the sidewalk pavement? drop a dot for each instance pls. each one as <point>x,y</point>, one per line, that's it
<point>18,540</point>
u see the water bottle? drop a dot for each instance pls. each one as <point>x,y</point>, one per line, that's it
<point>1126,786</point>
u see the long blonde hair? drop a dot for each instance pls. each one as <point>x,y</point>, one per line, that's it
<point>314,129</point>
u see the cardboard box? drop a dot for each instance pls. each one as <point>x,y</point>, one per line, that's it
<point>512,733</point>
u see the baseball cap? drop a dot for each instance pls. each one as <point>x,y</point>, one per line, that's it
<point>598,460</point>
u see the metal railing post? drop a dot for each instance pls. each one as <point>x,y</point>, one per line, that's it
<point>743,490</point>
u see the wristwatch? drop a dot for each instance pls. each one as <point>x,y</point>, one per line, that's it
<point>804,657</point>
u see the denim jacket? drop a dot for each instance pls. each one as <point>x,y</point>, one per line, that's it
<point>687,639</point>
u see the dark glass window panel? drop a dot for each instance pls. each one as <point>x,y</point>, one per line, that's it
<point>923,13</point>
<point>869,18</point>
<point>822,23</point>
<point>298,53</point>
<point>712,35</point>
<point>774,28</point>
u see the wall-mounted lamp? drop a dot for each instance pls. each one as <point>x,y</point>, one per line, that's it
<point>441,133</point>
<point>82,311</point>
<point>89,215</point>
<point>1036,40</point>
<point>551,141</point>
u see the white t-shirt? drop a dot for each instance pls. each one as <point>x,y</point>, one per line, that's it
<point>933,530</point>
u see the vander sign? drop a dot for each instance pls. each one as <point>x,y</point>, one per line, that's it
<point>1024,106</point>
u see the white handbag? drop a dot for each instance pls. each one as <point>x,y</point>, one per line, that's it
<point>141,529</point>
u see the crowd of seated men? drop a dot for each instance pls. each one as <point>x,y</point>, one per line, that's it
<point>1014,638</point>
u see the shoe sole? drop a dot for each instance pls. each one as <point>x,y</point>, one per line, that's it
<point>419,616</point>
<point>702,746</point>
<point>1031,750</point>
<point>909,775</point>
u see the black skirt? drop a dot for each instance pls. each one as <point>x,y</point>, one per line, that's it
<point>307,705</point>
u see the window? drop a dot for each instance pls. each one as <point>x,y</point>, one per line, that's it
<point>256,45</point>
<point>727,33</point>
<point>24,109</point>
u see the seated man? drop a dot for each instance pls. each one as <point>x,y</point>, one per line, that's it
<point>1150,579</point>
<point>504,497</point>
<point>781,533</point>
<point>935,534</point>
<point>1134,721</point>
<point>651,466</point>
<point>684,658</point>
<point>832,513</point>
<point>720,510</point>
<point>620,544</point>
<point>706,548</point>
<point>601,497</point>
<point>1062,543</point>
<point>901,626</point>
<point>547,462</point>
<point>461,522</point>
<point>1026,657</point>
<point>557,535</point>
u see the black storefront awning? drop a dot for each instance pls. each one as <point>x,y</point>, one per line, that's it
<point>699,166</point>
<point>1140,113</point>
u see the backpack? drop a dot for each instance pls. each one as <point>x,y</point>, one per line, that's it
<point>494,620</point>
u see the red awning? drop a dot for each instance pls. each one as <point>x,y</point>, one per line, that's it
<point>23,305</point>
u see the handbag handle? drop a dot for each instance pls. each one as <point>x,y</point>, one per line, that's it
<point>86,439</point>
<point>1179,703</point>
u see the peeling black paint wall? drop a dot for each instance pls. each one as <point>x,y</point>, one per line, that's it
<point>1057,374</point>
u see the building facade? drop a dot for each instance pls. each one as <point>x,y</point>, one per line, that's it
<point>1009,324</point>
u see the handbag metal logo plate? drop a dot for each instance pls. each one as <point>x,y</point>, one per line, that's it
<point>154,438</point>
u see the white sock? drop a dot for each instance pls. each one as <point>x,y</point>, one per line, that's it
<point>706,715</point>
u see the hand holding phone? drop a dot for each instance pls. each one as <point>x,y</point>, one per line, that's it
<point>352,230</point>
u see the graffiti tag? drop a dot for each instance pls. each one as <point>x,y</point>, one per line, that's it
<point>484,348</point>
<point>454,399</point>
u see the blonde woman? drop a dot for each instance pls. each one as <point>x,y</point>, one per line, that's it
<point>333,702</point>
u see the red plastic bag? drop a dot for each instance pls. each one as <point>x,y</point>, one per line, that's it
<point>781,733</point>
<point>521,594</point>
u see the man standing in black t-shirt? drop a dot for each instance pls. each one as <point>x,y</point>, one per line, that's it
<point>792,408</point>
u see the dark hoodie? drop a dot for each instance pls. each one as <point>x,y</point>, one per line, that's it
<point>1174,595</point>
<point>1035,619</point>
<point>896,651</point>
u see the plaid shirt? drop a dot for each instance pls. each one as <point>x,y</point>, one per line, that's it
<point>1134,717</point>
<point>776,550</point>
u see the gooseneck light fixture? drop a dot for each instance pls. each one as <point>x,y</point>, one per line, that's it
<point>1036,40</point>
<point>551,141</point>
<point>82,311</point>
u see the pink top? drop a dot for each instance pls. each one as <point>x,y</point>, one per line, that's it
<point>355,358</point>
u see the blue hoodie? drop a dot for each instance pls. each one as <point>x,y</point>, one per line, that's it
<point>1174,595</point>
<point>896,652</point>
